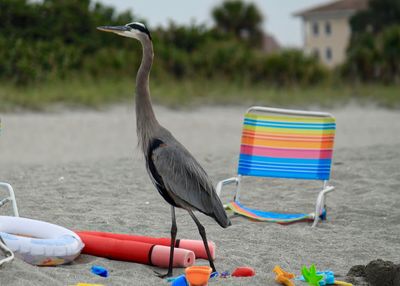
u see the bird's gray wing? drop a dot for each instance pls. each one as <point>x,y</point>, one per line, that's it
<point>184,177</point>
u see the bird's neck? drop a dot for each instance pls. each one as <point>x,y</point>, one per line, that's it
<point>145,118</point>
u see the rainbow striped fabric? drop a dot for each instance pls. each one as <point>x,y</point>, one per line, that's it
<point>258,215</point>
<point>287,146</point>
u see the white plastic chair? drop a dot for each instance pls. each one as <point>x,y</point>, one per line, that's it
<point>9,255</point>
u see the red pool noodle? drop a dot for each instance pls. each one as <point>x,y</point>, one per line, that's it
<point>196,246</point>
<point>135,251</point>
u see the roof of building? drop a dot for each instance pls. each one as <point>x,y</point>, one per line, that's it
<point>336,6</point>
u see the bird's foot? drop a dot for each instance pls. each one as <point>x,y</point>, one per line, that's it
<point>162,276</point>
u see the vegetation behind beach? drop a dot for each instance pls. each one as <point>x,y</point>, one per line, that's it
<point>51,52</point>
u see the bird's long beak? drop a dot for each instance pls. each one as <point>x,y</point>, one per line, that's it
<point>113,29</point>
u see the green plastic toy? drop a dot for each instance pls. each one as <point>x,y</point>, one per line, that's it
<point>311,276</point>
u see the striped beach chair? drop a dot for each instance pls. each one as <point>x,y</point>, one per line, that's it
<point>284,143</point>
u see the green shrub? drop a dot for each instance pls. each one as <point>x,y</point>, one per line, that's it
<point>55,39</point>
<point>374,57</point>
<point>290,67</point>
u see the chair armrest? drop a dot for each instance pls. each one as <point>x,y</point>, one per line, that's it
<point>328,189</point>
<point>10,198</point>
<point>225,182</point>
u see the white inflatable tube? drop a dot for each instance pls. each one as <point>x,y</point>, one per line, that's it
<point>38,242</point>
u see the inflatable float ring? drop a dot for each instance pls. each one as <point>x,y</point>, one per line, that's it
<point>38,242</point>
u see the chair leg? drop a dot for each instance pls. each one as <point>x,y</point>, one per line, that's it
<point>320,203</point>
<point>317,209</point>
<point>7,252</point>
<point>11,197</point>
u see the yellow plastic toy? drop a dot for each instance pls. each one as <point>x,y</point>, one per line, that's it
<point>342,283</point>
<point>283,277</point>
<point>198,275</point>
<point>87,284</point>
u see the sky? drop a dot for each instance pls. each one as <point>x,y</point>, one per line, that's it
<point>278,14</point>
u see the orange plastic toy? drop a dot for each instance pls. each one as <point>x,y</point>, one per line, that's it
<point>283,277</point>
<point>198,275</point>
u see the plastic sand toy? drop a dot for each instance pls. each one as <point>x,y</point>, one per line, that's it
<point>99,270</point>
<point>198,275</point>
<point>311,276</point>
<point>88,284</point>
<point>243,271</point>
<point>283,277</point>
<point>328,278</point>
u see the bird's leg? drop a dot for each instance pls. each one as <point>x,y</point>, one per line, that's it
<point>202,232</point>
<point>174,230</point>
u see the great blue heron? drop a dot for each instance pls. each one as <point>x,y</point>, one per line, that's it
<point>176,174</point>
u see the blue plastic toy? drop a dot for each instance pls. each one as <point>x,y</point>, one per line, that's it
<point>99,270</point>
<point>225,274</point>
<point>328,278</point>
<point>180,281</point>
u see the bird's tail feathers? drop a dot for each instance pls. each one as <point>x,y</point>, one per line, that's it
<point>219,214</point>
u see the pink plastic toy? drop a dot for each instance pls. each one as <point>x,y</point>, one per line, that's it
<point>134,251</point>
<point>196,246</point>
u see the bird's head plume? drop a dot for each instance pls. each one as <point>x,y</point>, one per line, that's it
<point>134,30</point>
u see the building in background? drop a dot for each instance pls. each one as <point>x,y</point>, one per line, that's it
<point>326,29</point>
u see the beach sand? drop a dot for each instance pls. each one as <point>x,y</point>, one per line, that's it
<point>82,170</point>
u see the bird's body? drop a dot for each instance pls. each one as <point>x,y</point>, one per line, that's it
<point>180,179</point>
<point>176,174</point>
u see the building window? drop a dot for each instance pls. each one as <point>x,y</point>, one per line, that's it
<point>315,28</point>
<point>328,28</point>
<point>328,54</point>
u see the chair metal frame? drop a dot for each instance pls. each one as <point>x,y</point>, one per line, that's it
<point>326,188</point>
<point>9,255</point>
<point>10,198</point>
